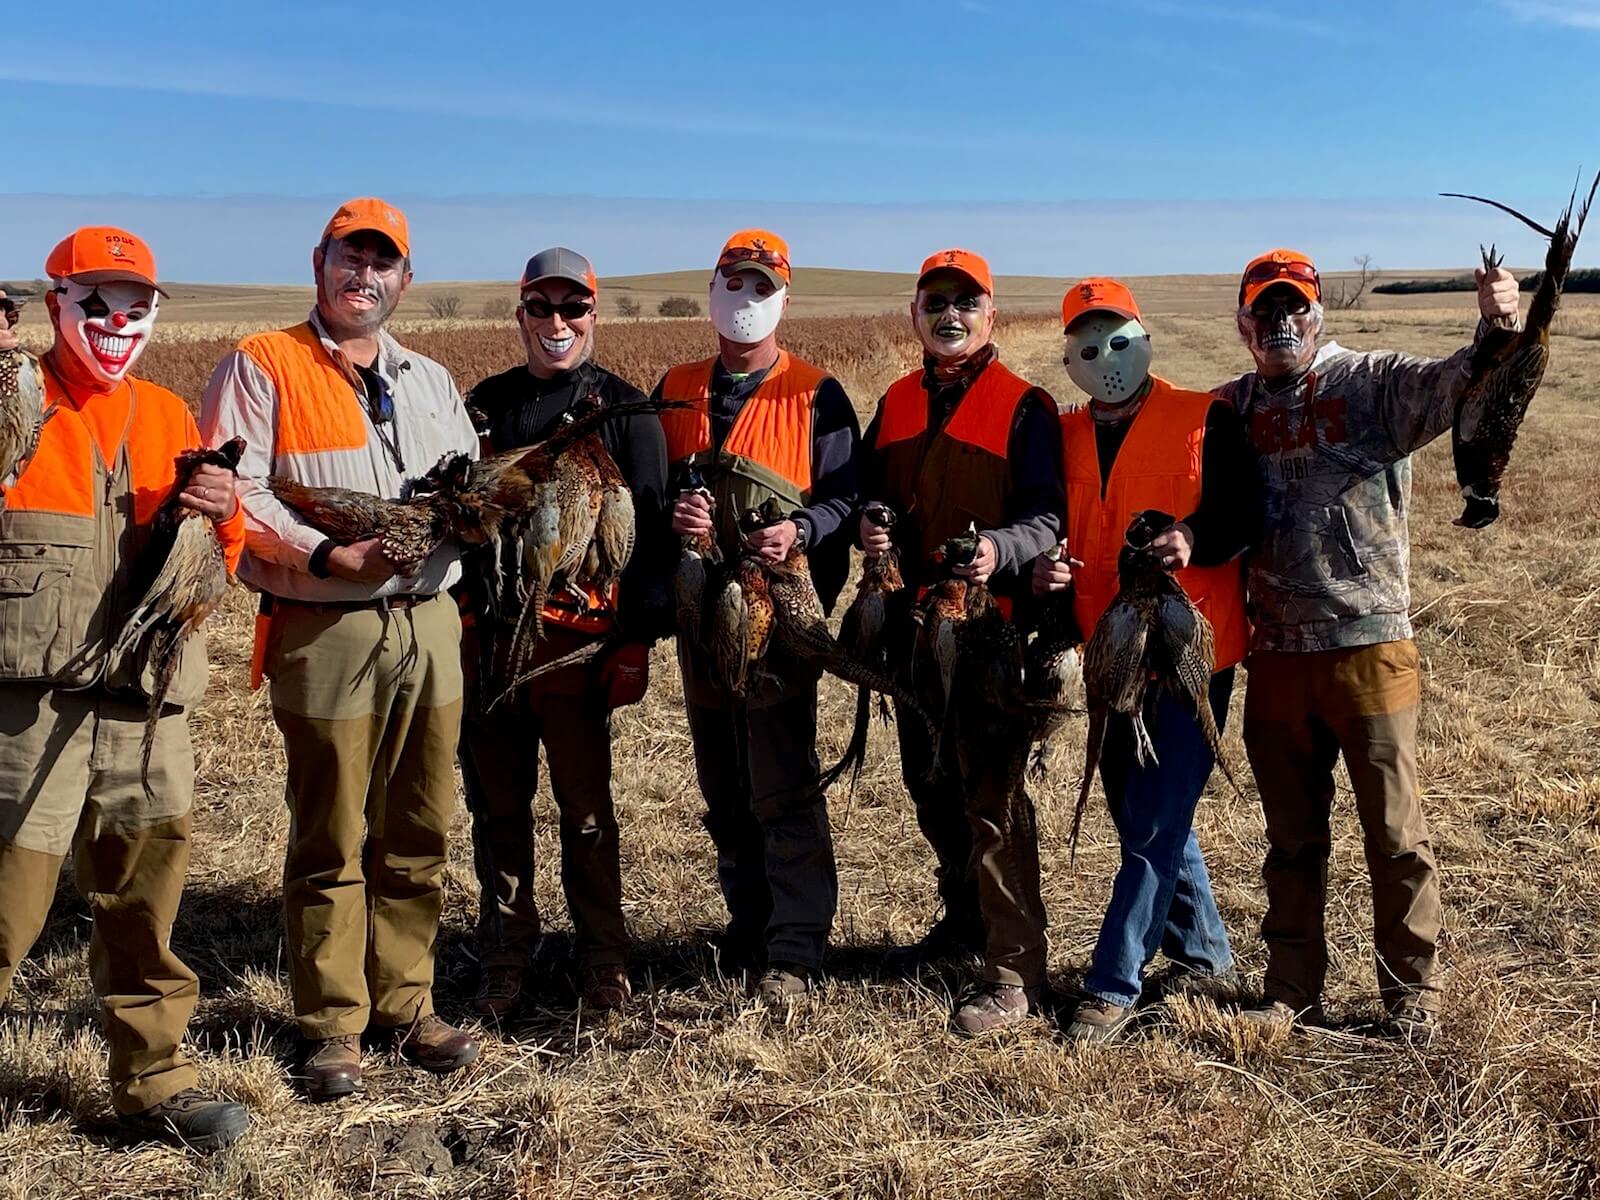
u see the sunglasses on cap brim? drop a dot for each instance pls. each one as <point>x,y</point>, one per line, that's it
<point>570,310</point>
<point>746,256</point>
<point>1269,272</point>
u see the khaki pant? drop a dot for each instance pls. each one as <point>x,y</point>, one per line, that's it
<point>1301,712</point>
<point>500,770</point>
<point>69,779</point>
<point>369,703</point>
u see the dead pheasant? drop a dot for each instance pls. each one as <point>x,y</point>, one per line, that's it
<point>937,615</point>
<point>409,530</point>
<point>1506,372</point>
<point>186,574</point>
<point>699,567</point>
<point>1052,665</point>
<point>1151,637</point>
<point>22,413</point>
<point>864,628</point>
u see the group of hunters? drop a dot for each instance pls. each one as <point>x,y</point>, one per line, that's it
<point>1291,483</point>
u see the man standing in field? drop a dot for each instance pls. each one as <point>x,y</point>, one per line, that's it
<point>966,441</point>
<point>73,708</point>
<point>1140,444</point>
<point>1333,668</point>
<point>568,710</point>
<point>761,423</point>
<point>364,653</point>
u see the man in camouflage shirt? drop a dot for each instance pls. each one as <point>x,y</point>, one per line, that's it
<point>1332,667</point>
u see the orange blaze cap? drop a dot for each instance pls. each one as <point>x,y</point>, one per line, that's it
<point>1279,266</point>
<point>101,253</point>
<point>1092,295</point>
<point>368,212</point>
<point>966,262</point>
<point>757,249</point>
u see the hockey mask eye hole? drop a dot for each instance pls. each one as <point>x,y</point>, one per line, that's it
<point>1090,353</point>
<point>1119,342</point>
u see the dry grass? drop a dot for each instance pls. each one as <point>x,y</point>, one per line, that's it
<point>862,1091</point>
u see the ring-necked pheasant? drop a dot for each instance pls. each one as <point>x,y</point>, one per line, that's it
<point>22,413</point>
<point>1506,371</point>
<point>185,575</point>
<point>864,628</point>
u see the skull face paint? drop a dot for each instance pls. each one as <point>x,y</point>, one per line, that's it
<point>106,326</point>
<point>1281,330</point>
<point>954,318</point>
<point>1108,356</point>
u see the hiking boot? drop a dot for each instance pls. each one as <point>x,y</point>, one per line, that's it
<point>499,991</point>
<point>332,1067</point>
<point>781,984</point>
<point>604,987</point>
<point>1270,1015</point>
<point>193,1120</point>
<point>1413,1025</point>
<point>996,1006</point>
<point>953,936</point>
<point>436,1045</point>
<point>1099,1021</point>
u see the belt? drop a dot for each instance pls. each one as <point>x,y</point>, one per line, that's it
<point>380,604</point>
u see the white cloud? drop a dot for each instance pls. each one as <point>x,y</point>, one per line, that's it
<point>1572,14</point>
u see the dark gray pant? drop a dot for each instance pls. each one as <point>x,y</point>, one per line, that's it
<point>769,822</point>
<point>940,800</point>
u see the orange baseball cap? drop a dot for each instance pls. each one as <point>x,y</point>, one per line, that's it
<point>965,262</point>
<point>101,253</point>
<point>1279,266</point>
<point>368,212</point>
<point>759,249</point>
<point>1097,294</point>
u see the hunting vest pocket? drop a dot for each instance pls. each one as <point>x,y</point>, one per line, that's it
<point>44,557</point>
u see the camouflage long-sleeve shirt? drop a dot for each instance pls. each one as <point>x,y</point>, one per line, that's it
<point>1332,569</point>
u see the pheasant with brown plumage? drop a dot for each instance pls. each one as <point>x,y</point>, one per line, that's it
<point>1507,371</point>
<point>185,574</point>
<point>22,413</point>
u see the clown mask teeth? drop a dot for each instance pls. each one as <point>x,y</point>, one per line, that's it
<point>106,325</point>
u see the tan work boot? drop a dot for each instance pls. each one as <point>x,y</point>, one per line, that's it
<point>1414,1025</point>
<point>1275,1014</point>
<point>604,986</point>
<point>1099,1021</point>
<point>781,984</point>
<point>996,1006</point>
<point>436,1045</point>
<point>332,1067</point>
<point>499,991</point>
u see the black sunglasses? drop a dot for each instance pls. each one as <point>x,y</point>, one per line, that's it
<point>543,310</point>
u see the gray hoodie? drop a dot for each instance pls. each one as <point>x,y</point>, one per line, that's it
<point>1334,452</point>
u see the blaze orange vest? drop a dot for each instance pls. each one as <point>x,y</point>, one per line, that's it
<point>767,452</point>
<point>1159,467</point>
<point>319,405</point>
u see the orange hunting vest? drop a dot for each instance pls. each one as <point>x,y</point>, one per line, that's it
<point>767,452</point>
<point>1159,467</point>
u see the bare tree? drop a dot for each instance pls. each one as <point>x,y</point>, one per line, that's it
<point>628,306</point>
<point>499,308</point>
<point>1352,292</point>
<point>445,306</point>
<point>679,306</point>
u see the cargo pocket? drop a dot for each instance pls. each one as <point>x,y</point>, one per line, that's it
<point>32,595</point>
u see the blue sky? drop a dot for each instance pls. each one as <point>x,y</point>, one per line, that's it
<point>1135,137</point>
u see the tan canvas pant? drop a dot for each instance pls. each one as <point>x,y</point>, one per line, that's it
<point>369,703</point>
<point>1301,712</point>
<point>69,779</point>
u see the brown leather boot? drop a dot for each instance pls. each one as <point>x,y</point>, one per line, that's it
<point>436,1045</point>
<point>332,1067</point>
<point>604,987</point>
<point>499,991</point>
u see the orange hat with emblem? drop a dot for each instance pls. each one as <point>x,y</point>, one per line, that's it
<point>1095,295</point>
<point>1279,266</point>
<point>368,212</point>
<point>965,262</point>
<point>757,249</point>
<point>100,254</point>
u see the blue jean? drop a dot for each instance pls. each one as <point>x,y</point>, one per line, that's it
<point>1161,898</point>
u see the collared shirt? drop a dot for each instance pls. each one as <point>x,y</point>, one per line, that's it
<point>430,422</point>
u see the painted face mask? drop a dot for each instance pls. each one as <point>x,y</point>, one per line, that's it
<point>107,326</point>
<point>743,315</point>
<point>1281,329</point>
<point>1108,356</point>
<point>953,321</point>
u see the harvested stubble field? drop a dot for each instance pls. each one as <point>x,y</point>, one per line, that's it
<point>862,1091</point>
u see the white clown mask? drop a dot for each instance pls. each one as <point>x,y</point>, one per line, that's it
<point>107,325</point>
<point>1108,356</point>
<point>742,316</point>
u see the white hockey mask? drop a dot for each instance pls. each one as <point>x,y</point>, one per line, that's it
<point>1108,356</point>
<point>107,325</point>
<point>739,313</point>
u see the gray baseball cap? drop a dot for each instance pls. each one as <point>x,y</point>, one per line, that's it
<point>559,263</point>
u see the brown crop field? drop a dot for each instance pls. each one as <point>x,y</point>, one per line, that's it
<point>862,1091</point>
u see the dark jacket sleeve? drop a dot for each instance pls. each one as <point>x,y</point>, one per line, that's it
<point>640,450</point>
<point>835,451</point>
<point>1229,517</point>
<point>1039,495</point>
